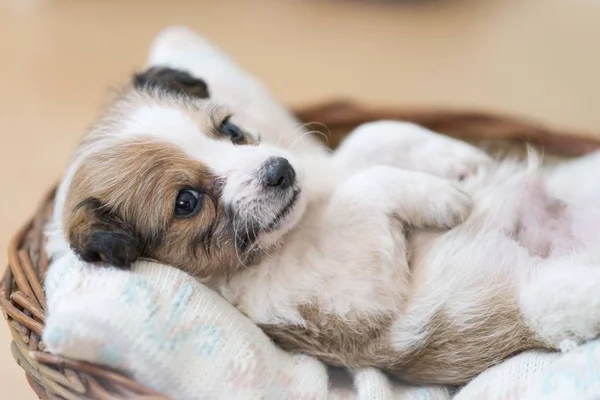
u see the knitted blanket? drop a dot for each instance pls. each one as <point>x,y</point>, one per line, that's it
<point>173,334</point>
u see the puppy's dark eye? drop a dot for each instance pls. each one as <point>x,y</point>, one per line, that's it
<point>188,202</point>
<point>231,130</point>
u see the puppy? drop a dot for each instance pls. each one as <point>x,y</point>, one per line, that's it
<point>431,268</point>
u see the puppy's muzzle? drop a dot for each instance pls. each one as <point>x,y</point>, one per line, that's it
<point>278,173</point>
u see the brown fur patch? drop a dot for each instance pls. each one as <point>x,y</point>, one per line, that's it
<point>352,341</point>
<point>133,188</point>
<point>453,352</point>
<point>456,351</point>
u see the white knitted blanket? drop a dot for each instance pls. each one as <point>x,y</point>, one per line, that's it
<point>172,334</point>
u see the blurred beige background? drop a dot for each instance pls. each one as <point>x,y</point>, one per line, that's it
<point>538,58</point>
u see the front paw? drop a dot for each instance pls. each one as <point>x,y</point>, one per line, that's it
<point>459,161</point>
<point>447,206</point>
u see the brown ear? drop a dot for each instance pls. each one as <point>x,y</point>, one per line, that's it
<point>98,236</point>
<point>171,80</point>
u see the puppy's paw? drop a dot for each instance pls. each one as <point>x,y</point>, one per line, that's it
<point>447,206</point>
<point>458,162</point>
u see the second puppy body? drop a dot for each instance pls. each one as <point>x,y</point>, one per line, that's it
<point>350,257</point>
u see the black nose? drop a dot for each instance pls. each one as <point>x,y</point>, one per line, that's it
<point>279,173</point>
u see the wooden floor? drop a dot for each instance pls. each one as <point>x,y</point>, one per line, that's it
<point>538,58</point>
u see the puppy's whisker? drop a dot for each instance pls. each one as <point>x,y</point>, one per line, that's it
<point>291,146</point>
<point>253,228</point>
<point>255,244</point>
<point>314,131</point>
<point>235,238</point>
<point>302,126</point>
<point>311,124</point>
<point>298,139</point>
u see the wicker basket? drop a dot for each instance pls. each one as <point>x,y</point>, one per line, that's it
<point>22,297</point>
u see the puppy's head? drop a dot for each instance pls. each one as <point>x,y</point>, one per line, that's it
<point>175,179</point>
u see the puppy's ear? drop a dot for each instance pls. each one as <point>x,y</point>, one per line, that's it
<point>98,236</point>
<point>171,80</point>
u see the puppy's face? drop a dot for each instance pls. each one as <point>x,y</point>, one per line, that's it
<point>176,180</point>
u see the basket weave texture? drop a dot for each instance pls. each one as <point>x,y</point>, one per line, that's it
<point>22,296</point>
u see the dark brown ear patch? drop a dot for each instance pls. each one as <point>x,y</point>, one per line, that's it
<point>98,236</point>
<point>115,248</point>
<point>171,80</point>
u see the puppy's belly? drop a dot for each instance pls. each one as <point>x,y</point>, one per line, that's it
<point>516,202</point>
<point>547,226</point>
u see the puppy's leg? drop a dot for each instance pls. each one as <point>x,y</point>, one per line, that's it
<point>561,303</point>
<point>363,235</point>
<point>364,207</point>
<point>411,147</point>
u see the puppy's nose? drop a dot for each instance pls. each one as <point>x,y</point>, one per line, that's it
<point>279,173</point>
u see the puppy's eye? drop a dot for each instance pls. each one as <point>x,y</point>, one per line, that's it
<point>188,202</point>
<point>231,130</point>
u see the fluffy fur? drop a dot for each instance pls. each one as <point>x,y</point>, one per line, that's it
<point>404,250</point>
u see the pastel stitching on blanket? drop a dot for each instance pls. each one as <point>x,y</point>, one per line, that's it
<point>165,328</point>
<point>541,375</point>
<point>581,374</point>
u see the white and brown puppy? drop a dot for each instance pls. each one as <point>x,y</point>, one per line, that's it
<point>337,256</point>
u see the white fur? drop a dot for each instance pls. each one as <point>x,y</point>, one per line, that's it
<point>576,181</point>
<point>562,302</point>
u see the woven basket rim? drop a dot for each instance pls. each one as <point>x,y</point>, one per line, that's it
<point>23,300</point>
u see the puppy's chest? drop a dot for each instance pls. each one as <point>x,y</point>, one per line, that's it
<point>299,276</point>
